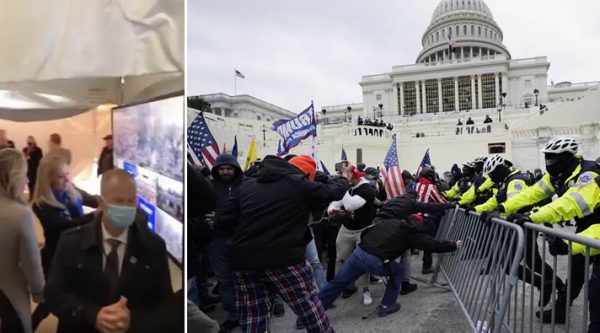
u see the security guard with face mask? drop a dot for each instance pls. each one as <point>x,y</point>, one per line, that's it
<point>482,188</point>
<point>511,182</point>
<point>572,179</point>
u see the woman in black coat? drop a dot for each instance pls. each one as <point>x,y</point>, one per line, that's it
<point>59,207</point>
<point>34,155</point>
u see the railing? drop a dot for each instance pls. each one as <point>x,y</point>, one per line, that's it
<point>502,280</point>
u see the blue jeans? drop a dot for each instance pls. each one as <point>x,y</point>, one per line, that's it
<point>312,256</point>
<point>219,252</point>
<point>359,263</point>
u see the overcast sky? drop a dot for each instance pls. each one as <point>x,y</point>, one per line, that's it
<point>292,52</point>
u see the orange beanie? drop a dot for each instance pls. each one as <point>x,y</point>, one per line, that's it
<point>306,164</point>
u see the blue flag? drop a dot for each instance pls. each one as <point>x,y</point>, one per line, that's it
<point>234,151</point>
<point>344,156</point>
<point>294,130</point>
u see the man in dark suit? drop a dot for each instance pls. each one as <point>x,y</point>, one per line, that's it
<point>111,275</point>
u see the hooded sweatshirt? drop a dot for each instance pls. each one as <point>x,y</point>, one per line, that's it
<point>270,214</point>
<point>223,191</point>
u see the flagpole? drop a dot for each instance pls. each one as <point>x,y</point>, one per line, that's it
<point>234,83</point>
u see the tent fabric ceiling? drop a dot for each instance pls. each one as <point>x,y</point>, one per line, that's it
<point>82,50</point>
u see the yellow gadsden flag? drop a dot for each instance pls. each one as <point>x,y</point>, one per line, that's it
<point>251,155</point>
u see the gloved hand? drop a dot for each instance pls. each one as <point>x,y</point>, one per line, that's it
<point>488,216</point>
<point>519,219</point>
<point>557,246</point>
<point>468,209</point>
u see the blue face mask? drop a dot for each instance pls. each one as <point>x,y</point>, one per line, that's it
<point>121,217</point>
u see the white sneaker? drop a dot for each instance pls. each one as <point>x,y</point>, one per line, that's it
<point>367,299</point>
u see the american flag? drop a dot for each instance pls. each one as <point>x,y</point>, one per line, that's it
<point>344,156</point>
<point>426,162</point>
<point>239,74</point>
<point>202,146</point>
<point>392,176</point>
<point>451,42</point>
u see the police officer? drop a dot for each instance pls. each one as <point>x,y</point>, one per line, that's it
<point>464,183</point>
<point>572,179</point>
<point>594,283</point>
<point>510,183</point>
<point>482,188</point>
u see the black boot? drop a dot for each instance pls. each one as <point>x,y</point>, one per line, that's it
<point>407,288</point>
<point>560,312</point>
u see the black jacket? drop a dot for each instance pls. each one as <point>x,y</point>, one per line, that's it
<point>270,215</point>
<point>33,161</point>
<point>405,205</point>
<point>223,192</point>
<point>389,239</point>
<point>202,201</point>
<point>55,221</point>
<point>105,161</point>
<point>77,289</point>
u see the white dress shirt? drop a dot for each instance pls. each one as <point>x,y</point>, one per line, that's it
<point>120,250</point>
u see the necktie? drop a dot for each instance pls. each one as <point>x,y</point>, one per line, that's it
<point>111,270</point>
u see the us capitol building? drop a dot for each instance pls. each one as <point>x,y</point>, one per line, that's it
<point>423,103</point>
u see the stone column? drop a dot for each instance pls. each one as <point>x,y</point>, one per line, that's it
<point>462,52</point>
<point>418,96</point>
<point>497,87</point>
<point>424,97</point>
<point>471,54</point>
<point>440,101</point>
<point>480,97</point>
<point>436,57</point>
<point>473,105</point>
<point>456,108</point>
<point>401,99</point>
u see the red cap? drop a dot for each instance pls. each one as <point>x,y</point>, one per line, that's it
<point>306,164</point>
<point>356,173</point>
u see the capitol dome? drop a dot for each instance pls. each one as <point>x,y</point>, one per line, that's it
<point>470,23</point>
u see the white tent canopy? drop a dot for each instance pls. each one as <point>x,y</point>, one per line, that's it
<point>61,58</point>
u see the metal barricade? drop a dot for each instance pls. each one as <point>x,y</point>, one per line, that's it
<point>547,282</point>
<point>505,276</point>
<point>482,274</point>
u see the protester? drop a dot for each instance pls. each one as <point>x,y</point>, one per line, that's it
<point>105,161</point>
<point>409,181</point>
<point>429,192</point>
<point>358,208</point>
<point>34,155</point>
<point>269,216</point>
<point>227,177</point>
<point>379,246</point>
<point>56,149</point>
<point>125,291</point>
<point>20,266</point>
<point>198,235</point>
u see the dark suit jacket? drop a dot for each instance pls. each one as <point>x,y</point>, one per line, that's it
<point>77,288</point>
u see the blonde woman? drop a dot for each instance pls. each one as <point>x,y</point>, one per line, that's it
<point>20,265</point>
<point>59,206</point>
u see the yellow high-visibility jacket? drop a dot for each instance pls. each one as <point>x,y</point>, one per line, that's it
<point>591,232</point>
<point>580,199</point>
<point>512,186</point>
<point>471,195</point>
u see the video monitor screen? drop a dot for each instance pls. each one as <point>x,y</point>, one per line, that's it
<point>148,143</point>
